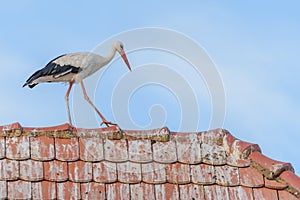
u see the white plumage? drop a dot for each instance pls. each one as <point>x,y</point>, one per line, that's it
<point>73,68</point>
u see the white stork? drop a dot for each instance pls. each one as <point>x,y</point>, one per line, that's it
<point>73,68</point>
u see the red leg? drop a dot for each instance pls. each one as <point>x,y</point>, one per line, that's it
<point>104,121</point>
<point>67,102</point>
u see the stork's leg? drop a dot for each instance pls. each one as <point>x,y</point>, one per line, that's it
<point>67,102</point>
<point>104,121</point>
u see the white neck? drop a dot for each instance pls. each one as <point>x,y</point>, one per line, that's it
<point>111,55</point>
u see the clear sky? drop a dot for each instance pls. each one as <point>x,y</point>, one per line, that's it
<point>254,45</point>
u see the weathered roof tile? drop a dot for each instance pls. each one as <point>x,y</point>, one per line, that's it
<point>92,190</point>
<point>129,172</point>
<point>3,189</point>
<point>273,184</point>
<point>285,195</point>
<point>227,176</point>
<point>215,192</point>
<point>140,151</point>
<point>44,190</point>
<point>178,173</point>
<point>9,169</point>
<point>80,171</point>
<point>17,148</point>
<point>2,147</point>
<point>240,192</point>
<point>203,174</point>
<point>68,190</point>
<point>67,149</point>
<point>117,191</point>
<point>164,152</point>
<point>191,191</point>
<point>167,191</point>
<point>56,171</point>
<point>42,148</point>
<point>31,170</point>
<point>105,172</point>
<point>188,148</point>
<point>264,193</point>
<point>91,149</point>
<point>251,177</point>
<point>115,150</point>
<point>142,191</point>
<point>19,190</point>
<point>270,168</point>
<point>293,181</point>
<point>154,173</point>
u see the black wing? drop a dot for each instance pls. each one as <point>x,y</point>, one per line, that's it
<point>53,69</point>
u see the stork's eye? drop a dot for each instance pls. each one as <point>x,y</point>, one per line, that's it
<point>121,45</point>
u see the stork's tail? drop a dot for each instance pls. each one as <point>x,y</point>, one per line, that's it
<point>29,85</point>
<point>30,80</point>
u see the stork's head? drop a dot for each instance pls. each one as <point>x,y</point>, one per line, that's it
<point>120,48</point>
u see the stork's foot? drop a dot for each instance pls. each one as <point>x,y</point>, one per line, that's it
<point>107,123</point>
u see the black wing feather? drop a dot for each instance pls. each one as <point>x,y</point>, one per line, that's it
<point>53,69</point>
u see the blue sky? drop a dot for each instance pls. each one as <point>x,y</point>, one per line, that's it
<point>255,46</point>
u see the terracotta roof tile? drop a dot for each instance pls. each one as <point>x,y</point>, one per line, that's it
<point>273,184</point>
<point>80,171</point>
<point>240,192</point>
<point>56,171</point>
<point>92,190</point>
<point>178,173</point>
<point>203,174</point>
<point>215,192</point>
<point>91,149</point>
<point>191,191</point>
<point>105,172</point>
<point>227,176</point>
<point>9,169</point>
<point>117,191</point>
<point>3,192</point>
<point>116,150</point>
<point>284,195</point>
<point>66,149</point>
<point>43,190</point>
<point>167,191</point>
<point>42,148</point>
<point>68,190</point>
<point>140,151</point>
<point>251,177</point>
<point>19,190</point>
<point>154,173</point>
<point>64,162</point>
<point>142,191</point>
<point>270,168</point>
<point>165,152</point>
<point>129,172</point>
<point>264,193</point>
<point>293,182</point>
<point>188,148</point>
<point>17,148</point>
<point>31,170</point>
<point>2,147</point>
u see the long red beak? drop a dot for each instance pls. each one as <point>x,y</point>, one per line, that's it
<point>125,59</point>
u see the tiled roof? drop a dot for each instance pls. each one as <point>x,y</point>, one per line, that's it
<point>65,162</point>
